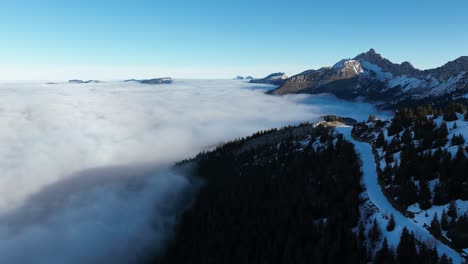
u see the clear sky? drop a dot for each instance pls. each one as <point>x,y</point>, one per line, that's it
<point>103,39</point>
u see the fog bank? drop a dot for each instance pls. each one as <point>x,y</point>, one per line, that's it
<point>84,167</point>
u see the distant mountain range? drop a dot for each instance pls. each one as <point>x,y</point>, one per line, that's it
<point>376,79</point>
<point>163,80</point>
<point>275,78</point>
<point>243,78</point>
<point>82,82</point>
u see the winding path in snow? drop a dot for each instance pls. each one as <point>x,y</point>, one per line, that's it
<point>377,197</point>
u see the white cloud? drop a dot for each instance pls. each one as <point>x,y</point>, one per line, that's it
<point>58,209</point>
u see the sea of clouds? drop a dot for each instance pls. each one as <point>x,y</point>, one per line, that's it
<point>84,168</point>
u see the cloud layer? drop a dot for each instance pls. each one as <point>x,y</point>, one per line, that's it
<point>83,166</point>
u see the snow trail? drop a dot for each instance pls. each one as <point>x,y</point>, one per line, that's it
<point>377,197</point>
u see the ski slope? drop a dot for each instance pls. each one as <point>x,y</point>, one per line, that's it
<point>380,201</point>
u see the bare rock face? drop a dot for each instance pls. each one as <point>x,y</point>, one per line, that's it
<point>375,78</point>
<point>274,78</point>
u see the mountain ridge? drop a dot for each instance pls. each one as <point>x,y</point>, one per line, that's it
<point>375,78</point>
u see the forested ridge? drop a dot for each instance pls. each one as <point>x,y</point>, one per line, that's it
<point>292,202</point>
<point>297,201</point>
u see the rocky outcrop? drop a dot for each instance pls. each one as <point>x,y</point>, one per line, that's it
<point>274,78</point>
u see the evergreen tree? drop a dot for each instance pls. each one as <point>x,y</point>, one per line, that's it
<point>380,141</point>
<point>406,250</point>
<point>440,194</point>
<point>406,137</point>
<point>444,220</point>
<point>424,195</point>
<point>442,134</point>
<point>384,255</point>
<point>450,115</point>
<point>458,140</point>
<point>435,225</point>
<point>407,191</point>
<point>374,232</point>
<point>391,224</point>
<point>427,255</point>
<point>361,234</point>
<point>444,259</point>
<point>395,126</point>
<point>428,138</point>
<point>452,209</point>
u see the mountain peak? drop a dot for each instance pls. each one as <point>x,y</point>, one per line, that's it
<point>372,52</point>
<point>370,56</point>
<point>385,65</point>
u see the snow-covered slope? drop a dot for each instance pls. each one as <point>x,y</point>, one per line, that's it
<point>385,208</point>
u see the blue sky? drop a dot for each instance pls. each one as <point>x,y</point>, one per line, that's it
<point>219,39</point>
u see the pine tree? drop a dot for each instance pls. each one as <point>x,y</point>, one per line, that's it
<point>428,138</point>
<point>452,209</point>
<point>444,220</point>
<point>444,259</point>
<point>440,194</point>
<point>361,234</point>
<point>395,126</point>
<point>406,250</point>
<point>384,255</point>
<point>458,140</point>
<point>435,225</point>
<point>391,224</point>
<point>427,255</point>
<point>424,195</point>
<point>442,134</point>
<point>380,141</point>
<point>374,232</point>
<point>406,137</point>
<point>455,126</point>
<point>450,115</point>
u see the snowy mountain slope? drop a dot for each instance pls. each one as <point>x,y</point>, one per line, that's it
<point>371,76</point>
<point>421,163</point>
<point>385,208</point>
